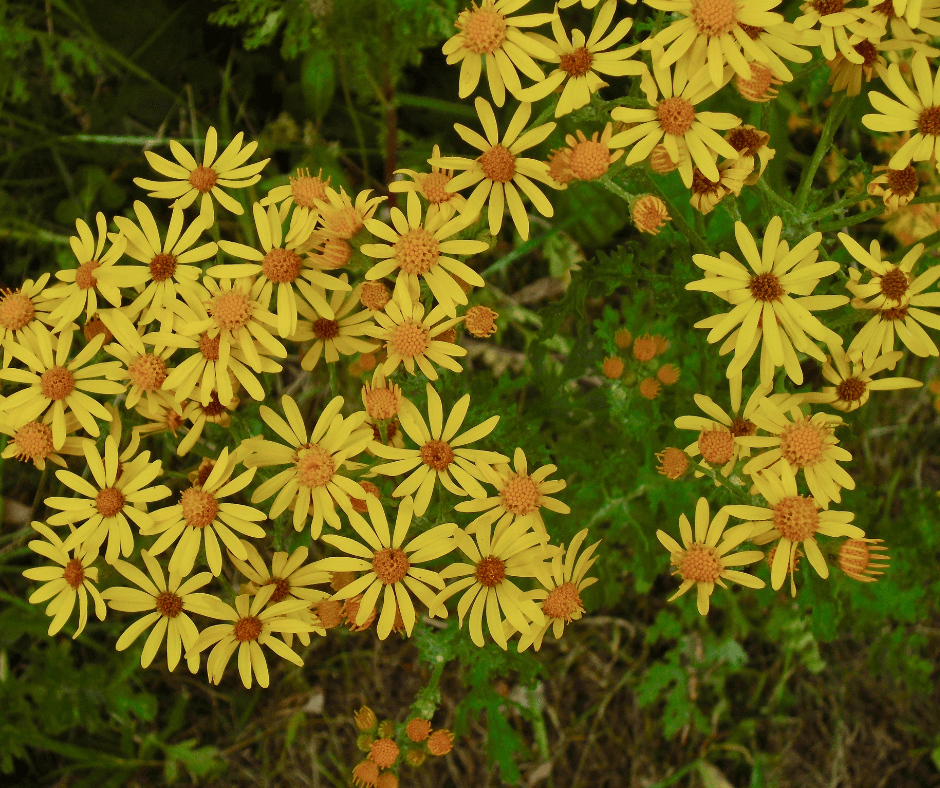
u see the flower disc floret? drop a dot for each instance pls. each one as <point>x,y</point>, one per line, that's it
<point>202,178</point>
<point>410,340</point>
<point>894,284</point>
<point>147,372</point>
<point>85,275</point>
<point>498,163</point>
<point>676,115</point>
<point>57,383</point>
<point>851,390</point>
<point>804,443</point>
<point>168,604</point>
<point>315,466</point>
<point>231,310</point>
<point>417,251</point>
<point>281,265</point>
<point>563,602</point>
<point>34,441</point>
<point>247,629</point>
<point>437,454</point>
<point>490,571</point>
<point>766,287</point>
<point>796,517</point>
<point>701,563</point>
<point>162,267</point>
<point>199,507</point>
<point>74,573</point>
<point>325,329</point>
<point>577,63</point>
<point>390,565</point>
<point>109,501</point>
<point>484,29</point>
<point>716,446</point>
<point>715,17</point>
<point>16,310</point>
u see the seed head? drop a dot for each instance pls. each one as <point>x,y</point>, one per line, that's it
<point>650,388</point>
<point>649,214</point>
<point>440,742</point>
<point>613,367</point>
<point>418,729</point>
<point>480,321</point>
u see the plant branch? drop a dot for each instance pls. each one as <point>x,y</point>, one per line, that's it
<point>833,119</point>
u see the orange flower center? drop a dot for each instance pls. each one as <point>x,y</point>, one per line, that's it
<point>700,563</point>
<point>306,189</point>
<point>826,7</point>
<point>433,187</point>
<point>746,141</point>
<point>577,63</point>
<point>162,267</point>
<point>33,441</point>
<point>715,17</point>
<point>325,329</point>
<point>96,326</point>
<point>589,159</point>
<point>109,501</point>
<point>484,29</point>
<point>716,445</point>
<point>766,287</point>
<point>381,403</point>
<point>169,605</point>
<point>375,296</point>
<point>416,251</point>
<point>796,518</point>
<point>894,313</point>
<point>315,466</point>
<point>74,573</point>
<point>437,454</point>
<point>902,182</point>
<point>390,565</point>
<point>16,310</point>
<point>281,590</point>
<point>490,571</point>
<point>56,383</point>
<point>929,121</point>
<point>247,628</point>
<point>676,115</point>
<point>674,462</point>
<point>85,276</point>
<point>868,51</point>
<point>894,284</point>
<point>851,390</point>
<point>360,504</point>
<point>209,347</point>
<point>147,372</point>
<point>803,443</point>
<point>203,178</point>
<point>701,184</point>
<point>199,507</point>
<point>498,163</point>
<point>410,340</point>
<point>231,310</point>
<point>520,495</point>
<point>563,602</point>
<point>741,427</point>
<point>281,265</point>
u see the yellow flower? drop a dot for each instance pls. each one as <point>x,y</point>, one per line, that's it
<point>144,373</point>
<point>500,170</point>
<point>57,384</point>
<point>314,480</point>
<point>771,43</point>
<point>561,598</point>
<point>202,510</point>
<point>20,310</point>
<point>516,552</point>
<point>281,265</point>
<point>72,579</point>
<point>801,443</point>
<point>750,142</point>
<point>487,32</point>
<point>794,519</point>
<point>701,561</point>
<point>896,187</point>
<point>441,455</point>
<point>762,298</point>
<point>848,76</point>
<point>688,135</point>
<point>421,251</point>
<point>302,192</point>
<point>835,22</point>
<point>337,334</point>
<point>389,564</point>
<point>189,179</point>
<point>712,33</point>
<point>166,605</point>
<point>411,337</point>
<point>252,625</point>
<point>580,61</point>
<point>851,386</point>
<point>520,495</point>
<point>917,112</point>
<point>432,186</point>
<point>341,219</point>
<point>32,441</point>
<point>96,273</point>
<point>732,175</point>
<point>169,263</point>
<point>121,491</point>
<point>215,413</point>
<point>168,415</point>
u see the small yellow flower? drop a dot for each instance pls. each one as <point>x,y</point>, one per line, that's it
<point>72,579</point>
<point>144,373</point>
<point>835,23</point>
<point>20,310</point>
<point>732,175</point>
<point>302,192</point>
<point>390,566</point>
<point>167,606</point>
<point>433,187</point>
<point>421,250</point>
<point>852,385</point>
<point>216,412</point>
<point>341,218</point>
<point>750,142</point>
<point>189,179</point>
<point>896,187</point>
<point>702,562</point>
<point>32,441</point>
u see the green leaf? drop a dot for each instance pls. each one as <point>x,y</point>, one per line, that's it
<point>318,81</point>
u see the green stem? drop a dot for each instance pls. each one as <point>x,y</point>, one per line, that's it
<point>711,473</point>
<point>833,119</point>
<point>353,116</point>
<point>845,202</point>
<point>857,219</point>
<point>773,196</point>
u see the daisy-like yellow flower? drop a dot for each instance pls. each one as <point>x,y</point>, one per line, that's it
<point>389,564</point>
<point>251,625</point>
<point>792,518</point>
<point>301,192</point>
<point>763,296</point>
<point>848,76</point>
<point>751,143</point>
<point>54,383</point>
<point>167,416</point>
<point>895,187</point>
<point>202,510</point>
<point>143,372</point>
<point>280,265</point>
<point>441,455</point>
<point>516,552</point>
<point>581,59</point>
<point>216,412</point>
<point>852,382</point>
<point>689,135</point>
<point>343,219</point>
<point>189,179</point>
<point>96,274</point>
<point>418,250</point>
<point>710,34</point>
<point>732,175</point>
<point>72,579</point>
<point>835,23</point>
<point>230,330</point>
<point>772,43</point>
<point>121,490</point>
<point>561,599</point>
<point>19,311</point>
<point>891,14</point>
<point>170,264</point>
<point>487,32</point>
<point>432,186</point>
<point>335,335</point>
<point>32,441</point>
<point>411,337</point>
<point>897,299</point>
<point>804,443</point>
<point>315,479</point>
<point>701,561</point>
<point>520,495</point>
<point>916,112</point>
<point>167,605</point>
<point>500,172</point>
